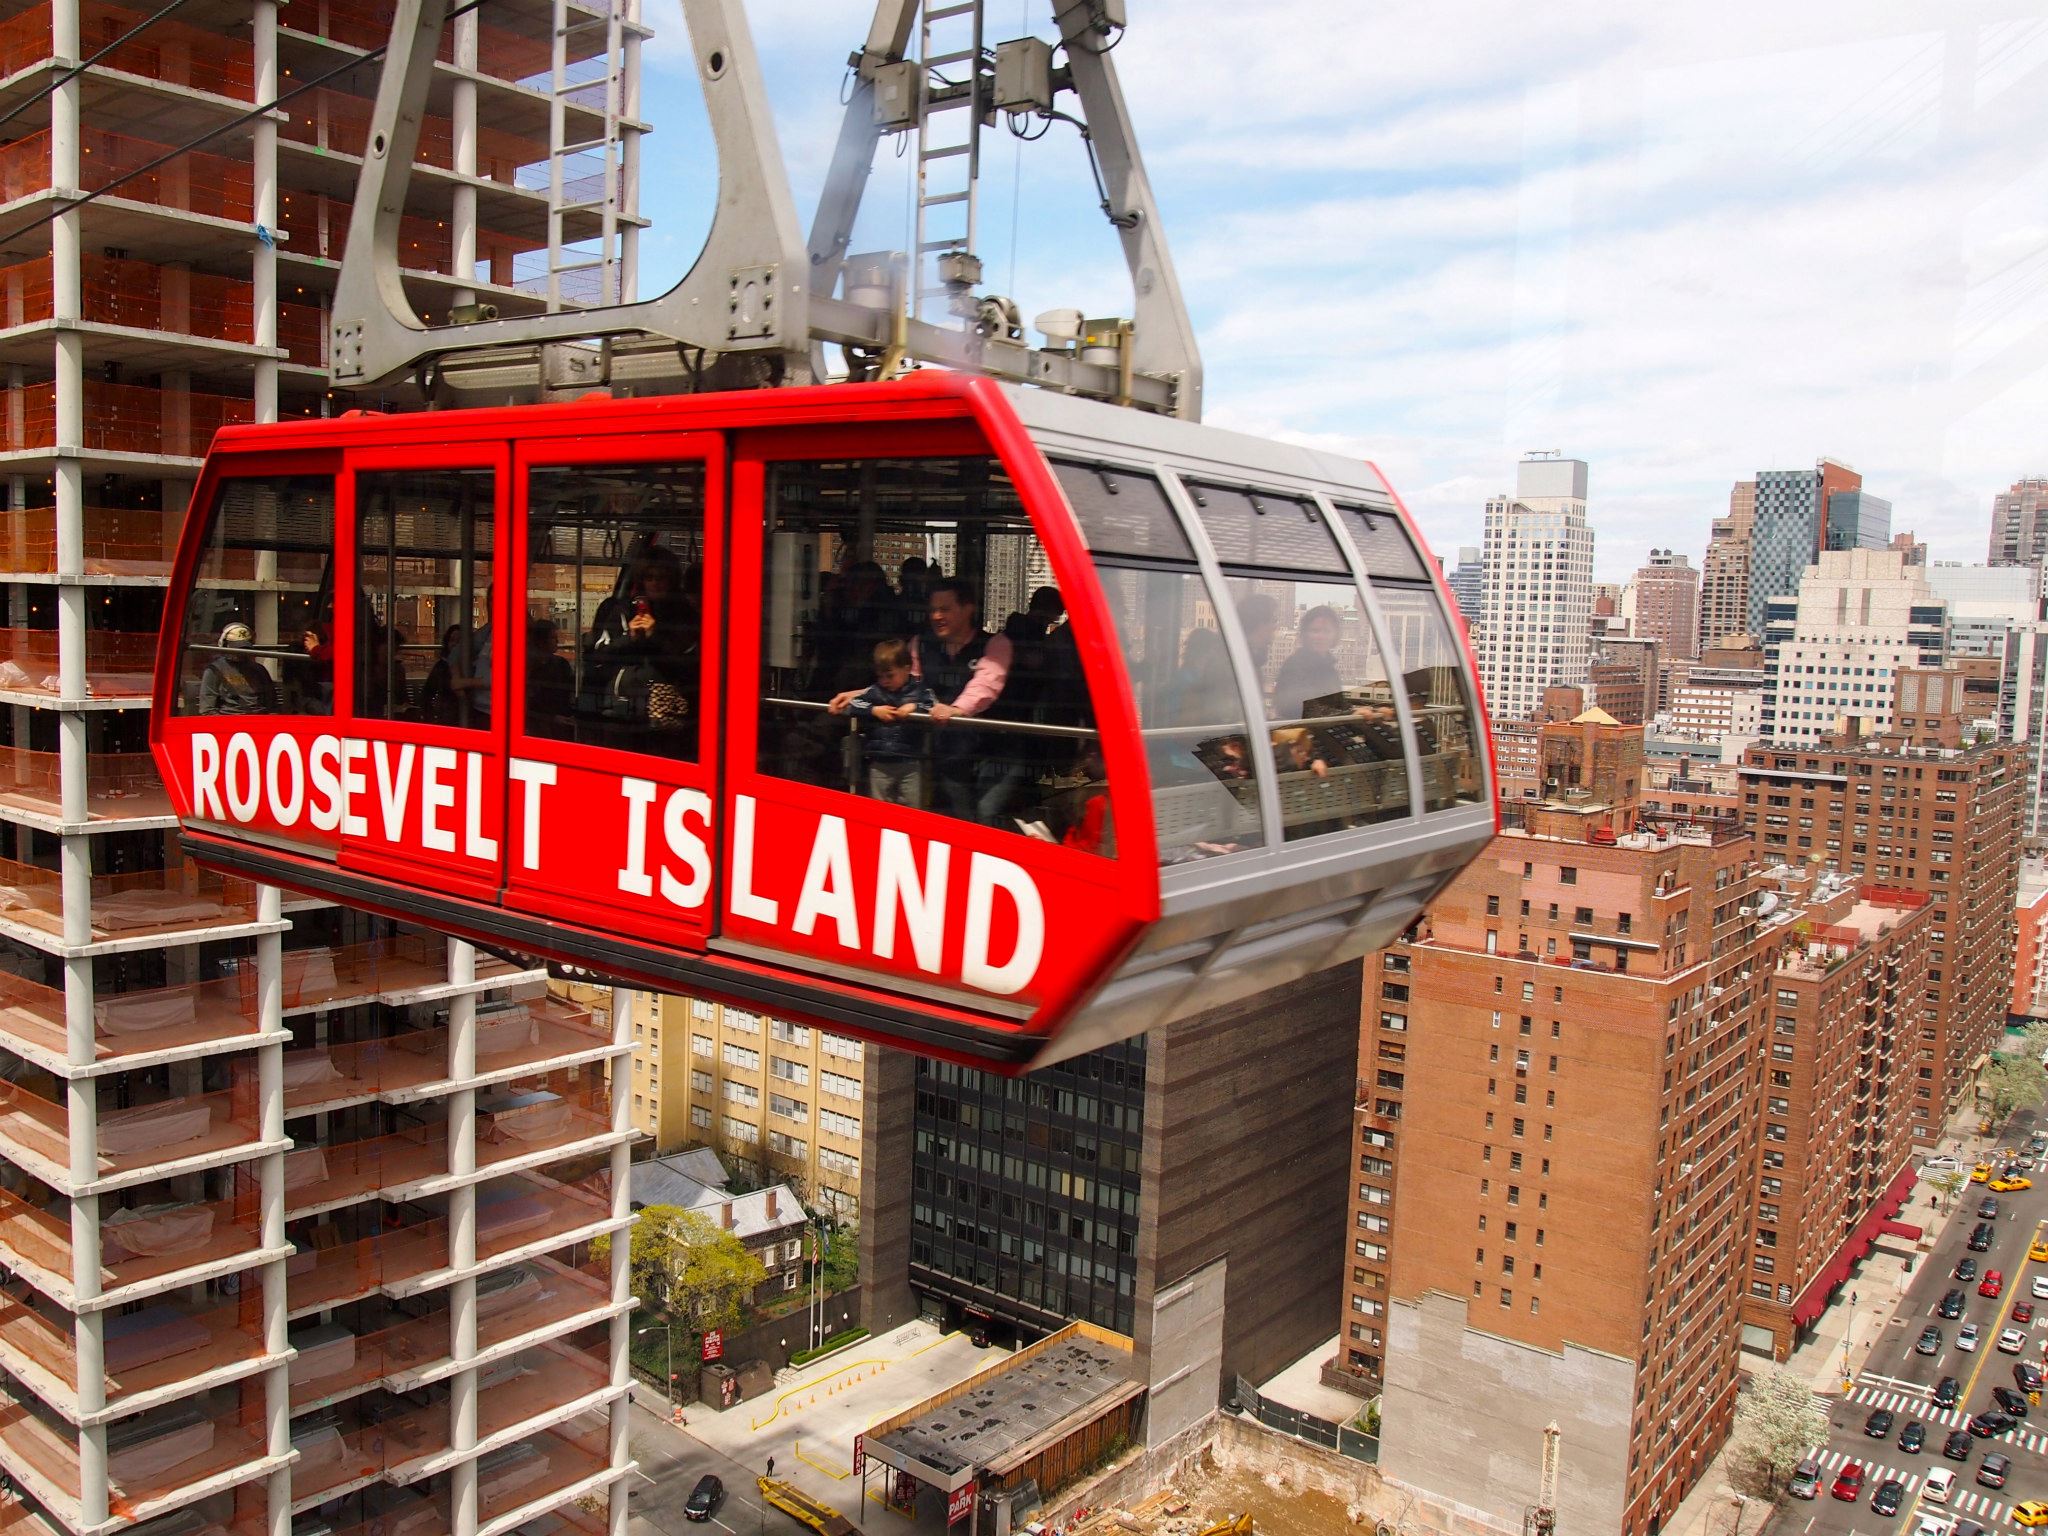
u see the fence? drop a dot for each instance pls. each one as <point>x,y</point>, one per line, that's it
<point>1341,1438</point>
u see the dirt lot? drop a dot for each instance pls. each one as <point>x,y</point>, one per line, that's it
<point>1278,1509</point>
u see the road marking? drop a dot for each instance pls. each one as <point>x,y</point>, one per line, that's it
<point>642,1475</point>
<point>723,1526</point>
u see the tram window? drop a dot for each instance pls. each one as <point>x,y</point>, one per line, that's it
<point>1264,528</point>
<point>1336,746</point>
<point>1383,543</point>
<point>263,586</point>
<point>1124,512</point>
<point>1433,673</point>
<point>614,596</point>
<point>915,650</point>
<point>424,647</point>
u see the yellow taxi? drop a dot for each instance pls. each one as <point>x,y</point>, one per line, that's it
<point>2015,1181</point>
<point>2039,1251</point>
<point>1981,1174</point>
<point>2030,1512</point>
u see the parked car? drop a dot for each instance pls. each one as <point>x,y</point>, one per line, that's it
<point>1993,1283</point>
<point>2012,1340</point>
<point>1967,1336</point>
<point>1992,1470</point>
<point>705,1498</point>
<point>1945,1391</point>
<point>1966,1269</point>
<point>1913,1437</point>
<point>2009,1401</point>
<point>1849,1481</point>
<point>1891,1493</point>
<point>1951,1303</point>
<point>1957,1446</point>
<point>1930,1341</point>
<point>1879,1425</point>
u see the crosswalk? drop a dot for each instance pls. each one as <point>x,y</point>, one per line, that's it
<point>1915,1405</point>
<point>1978,1504</point>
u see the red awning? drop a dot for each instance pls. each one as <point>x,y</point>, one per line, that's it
<point>1901,1229</point>
<point>1814,1299</point>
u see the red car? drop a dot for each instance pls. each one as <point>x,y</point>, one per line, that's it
<point>1849,1482</point>
<point>2023,1313</point>
<point>1992,1283</point>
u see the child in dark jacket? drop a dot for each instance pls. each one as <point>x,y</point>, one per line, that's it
<point>893,749</point>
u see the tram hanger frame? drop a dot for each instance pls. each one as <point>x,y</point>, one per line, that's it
<point>756,290</point>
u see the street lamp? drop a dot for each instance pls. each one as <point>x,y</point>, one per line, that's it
<point>670,1330</point>
<point>1741,1506</point>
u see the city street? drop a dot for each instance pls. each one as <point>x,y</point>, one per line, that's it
<point>1898,1379</point>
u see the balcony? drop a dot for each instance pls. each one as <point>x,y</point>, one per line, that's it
<point>155,1353</point>
<point>136,1141</point>
<point>414,1065</point>
<point>542,1120</point>
<point>119,787</point>
<point>168,51</point>
<point>317,226</point>
<point>130,1026</point>
<point>320,1179</point>
<point>167,302</point>
<point>121,543</point>
<point>120,418</point>
<point>404,969</point>
<point>117,665</point>
<point>500,51</point>
<point>127,910</point>
<point>334,120</point>
<point>541,1466</point>
<point>193,182</point>
<point>150,1458</point>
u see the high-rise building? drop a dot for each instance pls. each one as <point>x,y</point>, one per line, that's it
<point>1940,819</point>
<point>1794,509</point>
<point>1712,705</point>
<point>1832,655</point>
<point>1667,604</point>
<point>285,1187</point>
<point>1984,602</point>
<point>1857,520</point>
<point>781,1100</point>
<point>1467,582</point>
<point>1539,586</point>
<point>1624,678</point>
<point>1160,1187</point>
<point>2030,951</point>
<point>2023,718</point>
<point>1724,574</point>
<point>1843,1040</point>
<point>2019,524</point>
<point>1585,1000</point>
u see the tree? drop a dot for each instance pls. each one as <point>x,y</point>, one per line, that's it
<point>1778,1422</point>
<point>2011,1083</point>
<point>1948,1185</point>
<point>690,1267</point>
<point>842,1260</point>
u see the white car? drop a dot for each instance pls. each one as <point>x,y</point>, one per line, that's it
<point>2040,1288</point>
<point>1940,1483</point>
<point>2011,1341</point>
<point>1967,1336</point>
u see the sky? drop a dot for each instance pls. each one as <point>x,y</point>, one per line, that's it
<point>1682,243</point>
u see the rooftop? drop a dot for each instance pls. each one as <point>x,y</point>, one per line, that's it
<point>995,1420</point>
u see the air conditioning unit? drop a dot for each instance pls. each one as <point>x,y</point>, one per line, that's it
<point>1745,911</point>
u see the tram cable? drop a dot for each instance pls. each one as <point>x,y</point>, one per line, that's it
<point>83,65</point>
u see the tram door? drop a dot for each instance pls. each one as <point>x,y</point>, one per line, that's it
<point>420,640</point>
<point>614,686</point>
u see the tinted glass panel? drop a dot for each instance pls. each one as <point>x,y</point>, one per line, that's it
<point>424,647</point>
<point>1123,512</point>
<point>1439,695</point>
<point>1383,543</point>
<point>1262,528</point>
<point>264,586</point>
<point>1337,743</point>
<point>614,595</point>
<point>1197,746</point>
<point>914,649</point>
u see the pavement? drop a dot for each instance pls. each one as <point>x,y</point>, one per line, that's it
<point>806,1423</point>
<point>1301,1388</point>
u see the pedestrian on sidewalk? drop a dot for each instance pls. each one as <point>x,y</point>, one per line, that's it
<point>771,1466</point>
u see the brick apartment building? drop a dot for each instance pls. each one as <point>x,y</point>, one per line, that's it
<point>1918,810</point>
<point>1837,1130</point>
<point>1553,1183</point>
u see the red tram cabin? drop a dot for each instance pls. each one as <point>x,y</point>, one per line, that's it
<point>987,722</point>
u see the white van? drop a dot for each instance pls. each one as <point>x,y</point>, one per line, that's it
<point>1940,1483</point>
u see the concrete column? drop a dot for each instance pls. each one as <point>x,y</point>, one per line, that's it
<point>263,166</point>
<point>621,1257</point>
<point>462,214</point>
<point>462,1387</point>
<point>629,160</point>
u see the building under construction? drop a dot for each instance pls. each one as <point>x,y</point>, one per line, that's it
<point>283,1189</point>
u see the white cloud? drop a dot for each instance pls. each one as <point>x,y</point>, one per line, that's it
<point>1683,243</point>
